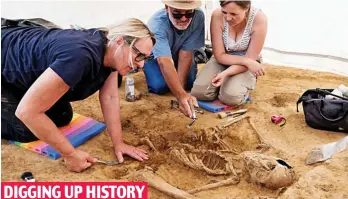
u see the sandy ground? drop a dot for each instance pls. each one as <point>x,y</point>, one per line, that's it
<point>277,92</point>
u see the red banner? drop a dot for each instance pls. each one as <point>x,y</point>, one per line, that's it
<point>69,190</point>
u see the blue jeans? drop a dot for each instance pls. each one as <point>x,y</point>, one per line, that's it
<point>155,80</point>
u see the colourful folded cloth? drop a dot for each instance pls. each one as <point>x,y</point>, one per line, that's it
<point>78,131</point>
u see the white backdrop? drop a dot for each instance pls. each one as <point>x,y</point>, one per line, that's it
<point>309,34</point>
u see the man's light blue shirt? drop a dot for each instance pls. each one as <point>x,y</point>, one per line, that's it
<point>170,40</point>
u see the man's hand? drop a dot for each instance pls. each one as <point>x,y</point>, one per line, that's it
<point>256,68</point>
<point>218,79</point>
<point>186,103</point>
<point>78,161</point>
<point>122,148</point>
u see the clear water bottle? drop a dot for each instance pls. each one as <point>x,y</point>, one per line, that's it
<point>129,89</point>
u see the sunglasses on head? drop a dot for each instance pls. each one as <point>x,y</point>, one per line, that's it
<point>187,15</point>
<point>140,56</point>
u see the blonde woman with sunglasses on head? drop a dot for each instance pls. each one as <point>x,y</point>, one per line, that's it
<point>238,31</point>
<point>43,70</point>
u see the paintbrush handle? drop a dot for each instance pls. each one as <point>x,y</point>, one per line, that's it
<point>222,115</point>
<point>193,111</point>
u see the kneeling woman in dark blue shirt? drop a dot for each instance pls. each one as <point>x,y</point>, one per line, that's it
<point>43,70</point>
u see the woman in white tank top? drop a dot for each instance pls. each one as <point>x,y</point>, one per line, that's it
<point>238,32</point>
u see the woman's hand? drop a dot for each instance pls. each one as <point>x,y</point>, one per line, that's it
<point>122,148</point>
<point>78,161</point>
<point>218,79</point>
<point>256,68</point>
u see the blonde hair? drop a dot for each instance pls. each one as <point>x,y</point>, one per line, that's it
<point>130,29</point>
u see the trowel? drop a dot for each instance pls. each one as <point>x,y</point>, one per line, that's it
<point>326,151</point>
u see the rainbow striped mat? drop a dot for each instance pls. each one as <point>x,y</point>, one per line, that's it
<point>78,131</point>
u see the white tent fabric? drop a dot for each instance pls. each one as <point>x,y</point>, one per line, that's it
<point>308,34</point>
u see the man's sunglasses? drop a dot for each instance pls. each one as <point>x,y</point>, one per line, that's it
<point>140,56</point>
<point>187,15</point>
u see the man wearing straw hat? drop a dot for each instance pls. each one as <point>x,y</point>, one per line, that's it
<point>179,29</point>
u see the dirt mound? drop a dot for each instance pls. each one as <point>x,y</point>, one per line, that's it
<point>283,99</point>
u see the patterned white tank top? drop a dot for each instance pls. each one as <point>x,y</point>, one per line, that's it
<point>243,43</point>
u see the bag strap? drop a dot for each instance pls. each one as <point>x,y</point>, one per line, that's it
<point>345,112</point>
<point>329,93</point>
<point>301,99</point>
<point>318,90</point>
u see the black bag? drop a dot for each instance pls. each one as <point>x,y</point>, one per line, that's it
<point>324,114</point>
<point>36,22</point>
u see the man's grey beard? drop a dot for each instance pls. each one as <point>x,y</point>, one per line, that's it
<point>171,18</point>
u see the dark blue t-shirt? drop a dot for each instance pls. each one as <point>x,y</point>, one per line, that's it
<point>76,56</point>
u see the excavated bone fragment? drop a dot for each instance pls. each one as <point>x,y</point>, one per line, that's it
<point>158,183</point>
<point>209,161</point>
